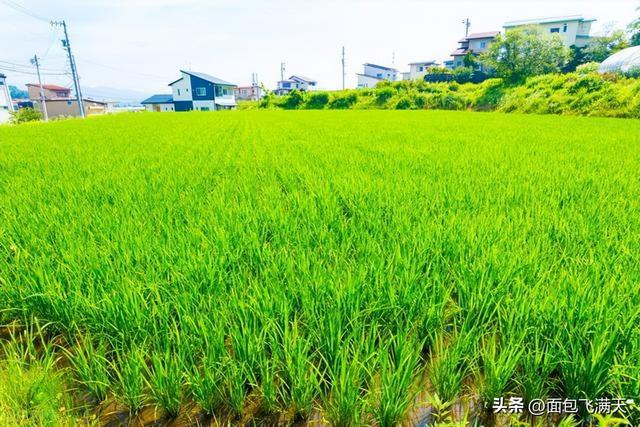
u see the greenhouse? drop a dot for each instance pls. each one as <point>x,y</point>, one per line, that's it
<point>626,61</point>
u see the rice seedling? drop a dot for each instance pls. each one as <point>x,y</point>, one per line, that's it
<point>325,264</point>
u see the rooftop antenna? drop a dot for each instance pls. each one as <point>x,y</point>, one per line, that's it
<point>282,68</point>
<point>393,59</point>
<point>467,25</point>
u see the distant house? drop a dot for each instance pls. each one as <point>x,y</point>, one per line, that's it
<point>203,92</point>
<point>6,104</point>
<point>248,93</point>
<point>374,74</point>
<point>159,103</point>
<point>417,70</point>
<point>61,104</point>
<point>301,83</point>
<point>50,92</point>
<point>475,43</point>
<point>574,29</point>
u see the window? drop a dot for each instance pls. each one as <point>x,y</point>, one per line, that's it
<point>379,75</point>
<point>178,92</point>
<point>564,30</point>
<point>555,30</point>
<point>204,109</point>
<point>483,45</point>
<point>420,68</point>
<point>201,91</point>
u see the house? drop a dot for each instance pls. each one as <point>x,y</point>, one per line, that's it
<point>574,30</point>
<point>50,92</point>
<point>159,103</point>
<point>417,70</point>
<point>374,74</point>
<point>475,43</point>
<point>69,107</point>
<point>203,92</point>
<point>6,104</point>
<point>248,93</point>
<point>298,82</point>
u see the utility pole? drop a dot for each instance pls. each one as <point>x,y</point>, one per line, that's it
<point>72,63</point>
<point>282,71</point>
<point>467,25</point>
<point>43,101</point>
<point>343,68</point>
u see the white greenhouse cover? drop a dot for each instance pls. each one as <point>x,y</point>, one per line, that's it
<point>624,61</point>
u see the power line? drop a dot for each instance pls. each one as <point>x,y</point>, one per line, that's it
<point>14,65</point>
<point>18,7</point>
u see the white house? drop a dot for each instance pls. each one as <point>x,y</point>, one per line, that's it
<point>301,83</point>
<point>159,103</point>
<point>6,104</point>
<point>573,29</point>
<point>417,70</point>
<point>374,74</point>
<point>475,43</point>
<point>202,92</point>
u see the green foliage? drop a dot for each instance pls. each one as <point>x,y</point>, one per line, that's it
<point>317,101</point>
<point>463,74</point>
<point>343,101</point>
<point>588,68</point>
<point>295,99</point>
<point>526,52</point>
<point>600,48</point>
<point>25,115</point>
<point>18,93</point>
<point>384,94</point>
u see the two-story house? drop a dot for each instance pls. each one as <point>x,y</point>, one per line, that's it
<point>417,70</point>
<point>574,29</point>
<point>50,92</point>
<point>6,104</point>
<point>298,82</point>
<point>374,74</point>
<point>475,43</point>
<point>202,92</point>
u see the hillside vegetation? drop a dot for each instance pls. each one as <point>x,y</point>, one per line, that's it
<point>353,267</point>
<point>584,94</point>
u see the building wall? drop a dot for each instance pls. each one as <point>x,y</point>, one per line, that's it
<point>480,45</point>
<point>69,108</point>
<point>159,107</point>
<point>204,105</point>
<point>34,93</point>
<point>4,116</point>
<point>366,81</point>
<point>183,105</point>
<point>570,36</point>
<point>182,89</point>
<point>418,71</point>
<point>380,73</point>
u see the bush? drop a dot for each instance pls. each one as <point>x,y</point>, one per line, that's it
<point>588,68</point>
<point>25,115</point>
<point>294,100</point>
<point>384,94</point>
<point>404,103</point>
<point>463,74</point>
<point>343,101</point>
<point>317,101</point>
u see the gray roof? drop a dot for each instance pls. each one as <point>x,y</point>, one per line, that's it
<point>159,99</point>
<point>303,78</point>
<point>208,78</point>
<point>551,20</point>
<point>382,67</point>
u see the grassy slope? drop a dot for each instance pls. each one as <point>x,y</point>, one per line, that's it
<point>304,250</point>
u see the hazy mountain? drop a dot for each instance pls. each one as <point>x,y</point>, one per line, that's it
<point>124,96</point>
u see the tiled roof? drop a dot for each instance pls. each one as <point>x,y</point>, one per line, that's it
<point>485,35</point>
<point>460,52</point>
<point>50,87</point>
<point>382,67</point>
<point>159,99</point>
<point>548,20</point>
<point>303,78</point>
<point>206,77</point>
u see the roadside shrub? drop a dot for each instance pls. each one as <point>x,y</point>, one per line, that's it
<point>25,115</point>
<point>344,101</point>
<point>384,94</point>
<point>317,101</point>
<point>404,103</point>
<point>588,68</point>
<point>294,100</point>
<point>463,74</point>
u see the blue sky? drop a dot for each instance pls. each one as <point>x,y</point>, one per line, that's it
<point>141,44</point>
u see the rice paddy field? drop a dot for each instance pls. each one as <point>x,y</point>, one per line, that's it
<point>339,268</point>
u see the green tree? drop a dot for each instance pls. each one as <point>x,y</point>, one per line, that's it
<point>525,52</point>
<point>25,115</point>
<point>470,61</point>
<point>634,30</point>
<point>600,48</point>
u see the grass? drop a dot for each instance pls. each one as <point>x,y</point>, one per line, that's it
<point>327,265</point>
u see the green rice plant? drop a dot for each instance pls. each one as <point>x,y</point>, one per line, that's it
<point>91,366</point>
<point>129,370</point>
<point>166,380</point>
<point>399,361</point>
<point>235,382</point>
